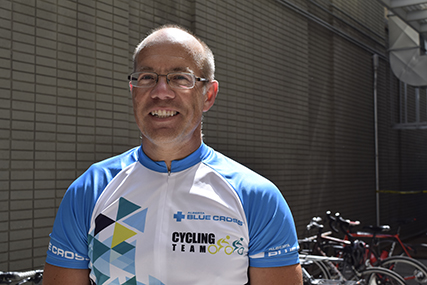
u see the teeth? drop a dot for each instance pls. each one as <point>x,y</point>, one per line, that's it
<point>163,113</point>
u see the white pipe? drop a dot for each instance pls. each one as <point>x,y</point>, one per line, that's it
<point>377,174</point>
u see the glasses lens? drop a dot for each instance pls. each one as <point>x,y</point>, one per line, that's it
<point>143,79</point>
<point>181,80</point>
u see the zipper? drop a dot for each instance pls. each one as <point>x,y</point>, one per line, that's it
<point>161,240</point>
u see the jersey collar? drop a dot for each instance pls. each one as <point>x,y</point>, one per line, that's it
<point>177,165</point>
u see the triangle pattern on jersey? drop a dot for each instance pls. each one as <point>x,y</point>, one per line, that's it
<point>126,262</point>
<point>137,220</point>
<point>125,208</point>
<point>114,255</point>
<point>98,249</point>
<point>154,281</point>
<point>130,268</point>
<point>119,263</point>
<point>123,247</point>
<point>100,277</point>
<point>106,256</point>
<point>115,282</point>
<point>131,281</point>
<point>121,233</point>
<point>101,222</point>
<point>102,264</point>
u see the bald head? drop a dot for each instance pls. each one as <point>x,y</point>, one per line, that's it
<point>176,35</point>
<point>170,34</point>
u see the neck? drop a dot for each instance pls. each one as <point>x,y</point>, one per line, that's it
<point>169,152</point>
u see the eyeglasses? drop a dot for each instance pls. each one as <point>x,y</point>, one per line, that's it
<point>179,80</point>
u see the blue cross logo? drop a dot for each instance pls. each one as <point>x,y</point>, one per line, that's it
<point>179,216</point>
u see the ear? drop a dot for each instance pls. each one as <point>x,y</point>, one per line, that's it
<point>210,95</point>
<point>130,86</point>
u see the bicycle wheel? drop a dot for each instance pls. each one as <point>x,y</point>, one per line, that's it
<point>381,276</point>
<point>413,271</point>
<point>317,269</point>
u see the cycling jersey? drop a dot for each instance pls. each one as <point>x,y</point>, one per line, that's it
<point>131,221</point>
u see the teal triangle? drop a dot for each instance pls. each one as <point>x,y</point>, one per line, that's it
<point>98,249</point>
<point>125,208</point>
<point>131,281</point>
<point>123,247</point>
<point>137,220</point>
<point>100,277</point>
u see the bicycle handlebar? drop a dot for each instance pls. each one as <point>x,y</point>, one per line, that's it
<point>314,223</point>
<point>332,221</point>
<point>338,223</point>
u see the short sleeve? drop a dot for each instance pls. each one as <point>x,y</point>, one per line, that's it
<point>68,240</point>
<point>273,238</point>
<point>68,245</point>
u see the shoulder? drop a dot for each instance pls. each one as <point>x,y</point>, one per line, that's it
<point>115,164</point>
<point>244,180</point>
<point>258,195</point>
<point>99,174</point>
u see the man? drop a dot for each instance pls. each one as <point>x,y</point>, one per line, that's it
<point>172,211</point>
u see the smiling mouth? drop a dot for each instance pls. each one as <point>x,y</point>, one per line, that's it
<point>163,113</point>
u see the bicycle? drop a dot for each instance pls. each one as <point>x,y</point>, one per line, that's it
<point>412,270</point>
<point>385,242</point>
<point>369,276</point>
<point>34,276</point>
<point>345,268</point>
<point>310,279</point>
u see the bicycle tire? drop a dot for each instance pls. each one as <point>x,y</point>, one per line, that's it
<point>381,276</point>
<point>316,269</point>
<point>412,270</point>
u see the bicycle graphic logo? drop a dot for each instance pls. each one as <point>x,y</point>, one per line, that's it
<point>222,243</point>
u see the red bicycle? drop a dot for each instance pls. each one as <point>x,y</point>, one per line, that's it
<point>412,270</point>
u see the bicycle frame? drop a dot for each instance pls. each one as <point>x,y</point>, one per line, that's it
<point>320,238</point>
<point>394,237</point>
<point>349,235</point>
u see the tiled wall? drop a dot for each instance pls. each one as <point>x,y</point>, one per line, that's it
<point>295,103</point>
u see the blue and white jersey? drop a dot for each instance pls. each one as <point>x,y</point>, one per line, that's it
<point>132,222</point>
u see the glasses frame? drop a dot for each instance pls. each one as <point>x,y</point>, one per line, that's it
<point>195,79</point>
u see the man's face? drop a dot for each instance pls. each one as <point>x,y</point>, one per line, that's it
<point>167,116</point>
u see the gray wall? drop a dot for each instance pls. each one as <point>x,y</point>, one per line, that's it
<point>295,104</point>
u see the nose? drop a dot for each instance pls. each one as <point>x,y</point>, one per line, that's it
<point>162,90</point>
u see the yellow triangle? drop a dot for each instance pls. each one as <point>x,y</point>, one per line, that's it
<point>121,233</point>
